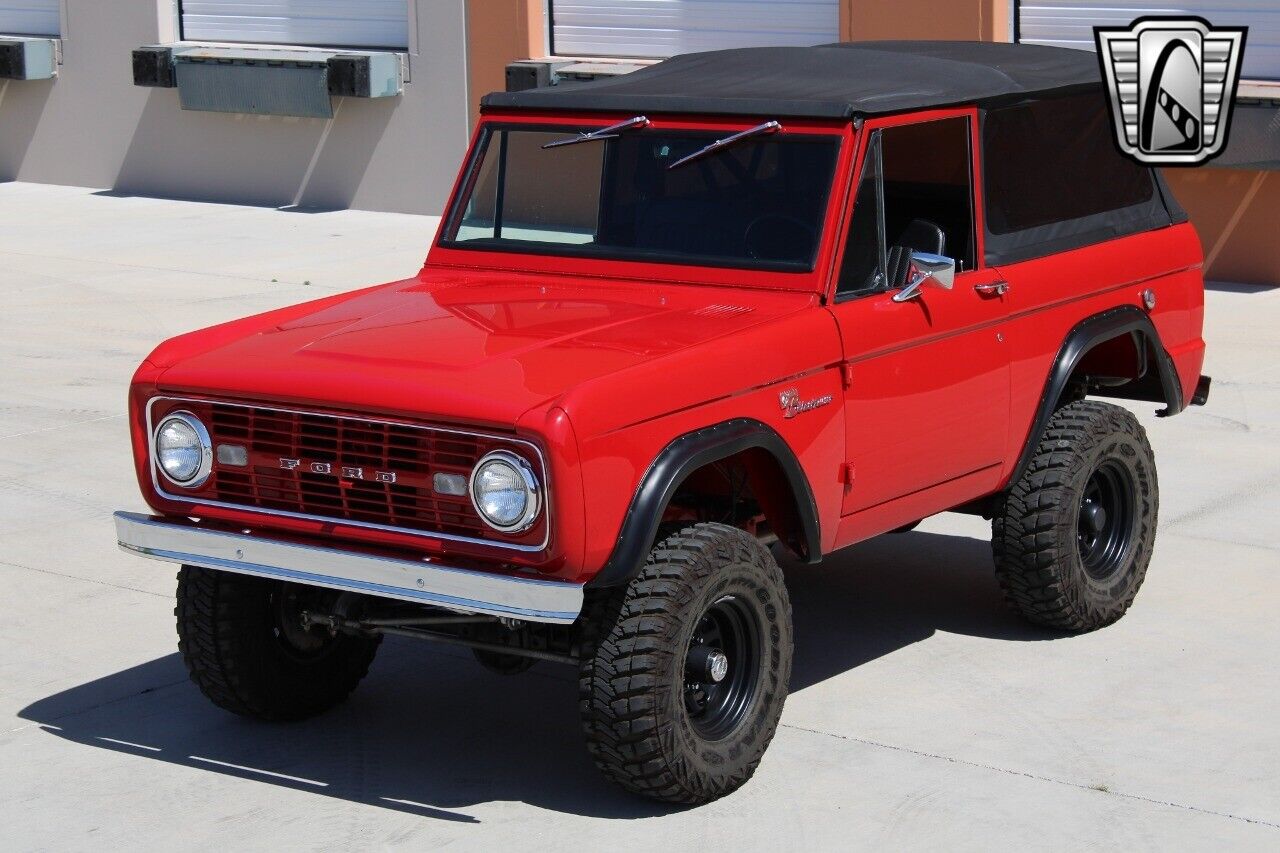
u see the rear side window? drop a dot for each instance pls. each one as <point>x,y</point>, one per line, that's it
<point>1054,179</point>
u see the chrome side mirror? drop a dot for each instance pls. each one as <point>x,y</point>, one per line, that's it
<point>926,268</point>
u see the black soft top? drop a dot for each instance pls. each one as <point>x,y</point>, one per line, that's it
<point>839,81</point>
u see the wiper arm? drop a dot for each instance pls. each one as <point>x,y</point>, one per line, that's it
<point>603,133</point>
<point>758,130</point>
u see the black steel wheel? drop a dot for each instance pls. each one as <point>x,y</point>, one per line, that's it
<point>684,671</point>
<point>722,667</point>
<point>246,647</point>
<point>1073,536</point>
<point>1105,524</point>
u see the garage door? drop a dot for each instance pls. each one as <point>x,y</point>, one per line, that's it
<point>30,17</point>
<point>660,28</point>
<point>1070,23</point>
<point>325,23</point>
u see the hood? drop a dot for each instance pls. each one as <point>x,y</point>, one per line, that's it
<point>473,347</point>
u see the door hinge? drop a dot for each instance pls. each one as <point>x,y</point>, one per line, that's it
<point>846,374</point>
<point>847,472</point>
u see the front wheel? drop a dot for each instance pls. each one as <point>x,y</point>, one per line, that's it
<point>246,648</point>
<point>1073,536</point>
<point>685,670</point>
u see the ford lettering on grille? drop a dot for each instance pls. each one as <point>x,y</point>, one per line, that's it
<point>347,472</point>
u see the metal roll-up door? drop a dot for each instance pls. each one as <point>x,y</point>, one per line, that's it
<point>1070,23</point>
<point>30,17</point>
<point>322,23</point>
<point>661,28</point>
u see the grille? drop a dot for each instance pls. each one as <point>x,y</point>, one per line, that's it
<point>348,468</point>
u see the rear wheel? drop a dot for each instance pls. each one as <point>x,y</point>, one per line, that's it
<point>685,670</point>
<point>246,648</point>
<point>1073,537</point>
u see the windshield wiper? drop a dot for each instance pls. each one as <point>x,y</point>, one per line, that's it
<point>603,133</point>
<point>758,130</point>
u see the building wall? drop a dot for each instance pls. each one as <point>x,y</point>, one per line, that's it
<point>499,31</point>
<point>1237,214</point>
<point>92,127</point>
<point>954,20</point>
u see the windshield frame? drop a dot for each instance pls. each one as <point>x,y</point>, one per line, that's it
<point>643,264</point>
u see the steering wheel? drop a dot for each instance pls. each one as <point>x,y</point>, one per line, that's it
<point>779,237</point>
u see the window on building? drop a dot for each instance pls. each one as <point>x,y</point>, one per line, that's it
<point>1071,24</point>
<point>644,28</point>
<point>31,17</point>
<point>321,23</point>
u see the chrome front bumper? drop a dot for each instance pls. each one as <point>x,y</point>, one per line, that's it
<point>463,590</point>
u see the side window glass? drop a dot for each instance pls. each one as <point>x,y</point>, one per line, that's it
<point>1066,144</point>
<point>928,196</point>
<point>862,270</point>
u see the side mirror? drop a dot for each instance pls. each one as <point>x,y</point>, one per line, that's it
<point>926,268</point>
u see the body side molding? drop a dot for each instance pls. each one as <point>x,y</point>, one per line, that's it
<point>685,455</point>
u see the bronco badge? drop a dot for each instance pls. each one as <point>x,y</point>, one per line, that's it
<point>792,405</point>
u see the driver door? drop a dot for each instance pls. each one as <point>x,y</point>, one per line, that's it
<point>926,378</point>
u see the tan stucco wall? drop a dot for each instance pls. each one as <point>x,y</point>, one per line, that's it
<point>1237,214</point>
<point>974,20</point>
<point>499,31</point>
<point>93,127</point>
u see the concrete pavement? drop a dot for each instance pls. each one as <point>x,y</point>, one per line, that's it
<point>923,714</point>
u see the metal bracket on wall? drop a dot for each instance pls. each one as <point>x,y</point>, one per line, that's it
<point>532,73</point>
<point>23,58</point>
<point>256,81</point>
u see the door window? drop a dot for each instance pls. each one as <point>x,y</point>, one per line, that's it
<point>864,250</point>
<point>915,196</point>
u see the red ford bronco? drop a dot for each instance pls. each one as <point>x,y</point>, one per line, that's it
<point>774,296</point>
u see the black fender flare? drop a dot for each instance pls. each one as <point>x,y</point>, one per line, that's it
<point>676,462</point>
<point>1090,332</point>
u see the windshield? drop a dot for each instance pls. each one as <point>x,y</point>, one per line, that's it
<point>755,203</point>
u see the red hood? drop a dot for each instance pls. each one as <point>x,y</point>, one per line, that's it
<point>475,347</point>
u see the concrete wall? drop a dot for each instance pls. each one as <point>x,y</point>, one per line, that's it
<point>92,127</point>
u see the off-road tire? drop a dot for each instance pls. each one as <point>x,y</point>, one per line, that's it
<point>632,684</point>
<point>1037,525</point>
<point>235,652</point>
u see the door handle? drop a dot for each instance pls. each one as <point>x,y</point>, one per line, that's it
<point>994,288</point>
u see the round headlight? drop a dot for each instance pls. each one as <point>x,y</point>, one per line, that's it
<point>505,492</point>
<point>183,449</point>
